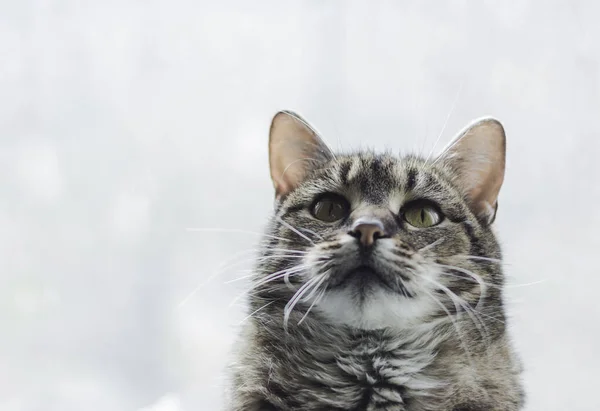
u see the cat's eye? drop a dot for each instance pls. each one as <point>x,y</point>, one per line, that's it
<point>330,207</point>
<point>422,215</point>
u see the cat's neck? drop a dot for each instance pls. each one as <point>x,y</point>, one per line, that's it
<point>317,331</point>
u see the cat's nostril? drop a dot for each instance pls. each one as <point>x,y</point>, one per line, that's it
<point>354,233</point>
<point>368,233</point>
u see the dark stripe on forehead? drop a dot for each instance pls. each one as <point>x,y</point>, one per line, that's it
<point>344,170</point>
<point>411,179</point>
<point>364,177</point>
<point>381,182</point>
<point>376,166</point>
<point>432,183</point>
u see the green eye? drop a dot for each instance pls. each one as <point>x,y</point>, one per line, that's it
<point>422,216</point>
<point>330,207</point>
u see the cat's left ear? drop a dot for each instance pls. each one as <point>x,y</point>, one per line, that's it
<point>295,148</point>
<point>476,158</point>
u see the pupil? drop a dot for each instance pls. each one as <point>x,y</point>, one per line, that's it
<point>422,214</point>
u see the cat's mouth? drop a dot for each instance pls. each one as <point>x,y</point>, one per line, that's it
<point>364,278</point>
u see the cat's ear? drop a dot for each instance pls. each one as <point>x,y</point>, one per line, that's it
<point>476,158</point>
<point>295,148</point>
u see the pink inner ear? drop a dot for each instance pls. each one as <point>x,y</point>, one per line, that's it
<point>288,167</point>
<point>293,148</point>
<point>477,158</point>
<point>280,188</point>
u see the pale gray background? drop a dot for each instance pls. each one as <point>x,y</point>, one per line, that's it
<point>122,123</point>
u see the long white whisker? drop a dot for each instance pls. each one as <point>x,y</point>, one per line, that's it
<point>233,230</point>
<point>526,284</point>
<point>250,290</point>
<point>254,312</point>
<point>454,323</point>
<point>475,276</point>
<point>230,262</point>
<point>465,306</point>
<point>294,230</point>
<point>296,297</point>
<point>252,274</point>
<point>285,250</point>
<point>224,268</point>
<point>281,273</point>
<point>315,289</point>
<point>316,300</point>
<point>476,257</point>
<point>460,277</point>
<point>478,279</point>
<point>311,232</point>
<point>428,246</point>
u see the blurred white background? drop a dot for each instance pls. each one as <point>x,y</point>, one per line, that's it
<point>124,123</point>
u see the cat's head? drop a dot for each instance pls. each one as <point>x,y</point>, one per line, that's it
<point>374,240</point>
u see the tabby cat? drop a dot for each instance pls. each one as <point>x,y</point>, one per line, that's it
<point>379,285</point>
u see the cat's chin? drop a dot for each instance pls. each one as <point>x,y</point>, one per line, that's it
<point>376,310</point>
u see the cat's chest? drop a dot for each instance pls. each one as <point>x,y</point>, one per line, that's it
<point>388,379</point>
<point>367,376</point>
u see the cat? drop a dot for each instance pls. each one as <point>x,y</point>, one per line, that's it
<point>379,285</point>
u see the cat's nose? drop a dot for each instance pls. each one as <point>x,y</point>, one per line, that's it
<point>368,231</point>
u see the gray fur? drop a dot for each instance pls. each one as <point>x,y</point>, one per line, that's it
<point>377,350</point>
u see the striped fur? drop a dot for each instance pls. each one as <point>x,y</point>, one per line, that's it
<point>410,345</point>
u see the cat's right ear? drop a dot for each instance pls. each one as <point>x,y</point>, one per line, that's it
<point>294,149</point>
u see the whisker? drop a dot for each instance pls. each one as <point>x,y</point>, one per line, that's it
<point>230,262</point>
<point>279,274</point>
<point>463,304</point>
<point>234,231</point>
<point>254,289</point>
<point>312,232</point>
<point>526,284</point>
<point>240,295</point>
<point>471,274</point>
<point>253,272</point>
<point>316,300</point>
<point>223,268</point>
<point>296,298</point>
<point>428,246</point>
<point>460,277</point>
<point>477,278</point>
<point>294,270</point>
<point>454,324</point>
<point>294,230</point>
<point>266,245</point>
<point>476,257</point>
<point>315,289</point>
<point>255,312</point>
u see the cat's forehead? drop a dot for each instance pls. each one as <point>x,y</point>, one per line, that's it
<point>376,177</point>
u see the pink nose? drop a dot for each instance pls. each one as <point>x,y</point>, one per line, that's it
<point>368,232</point>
